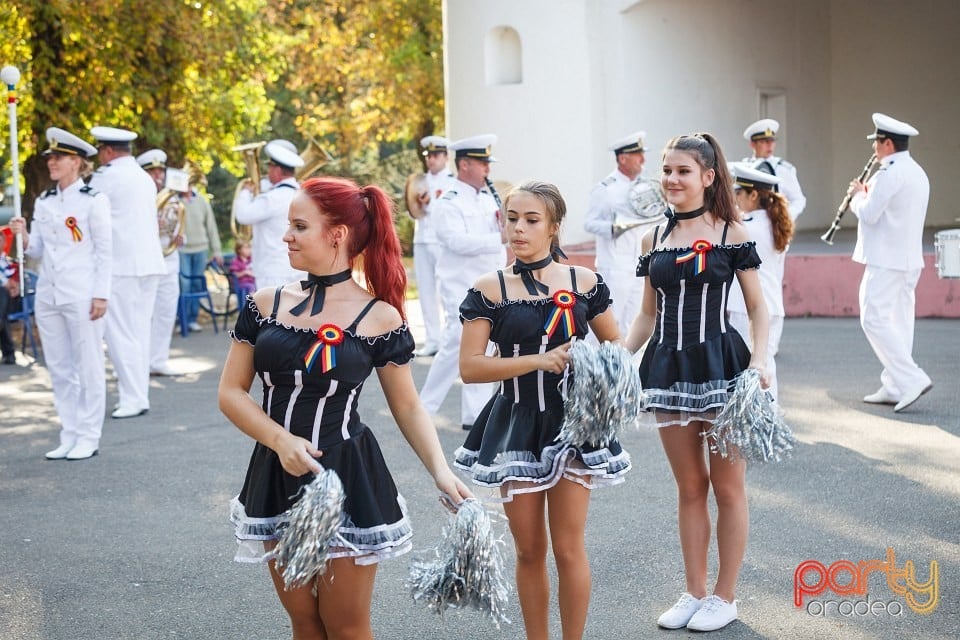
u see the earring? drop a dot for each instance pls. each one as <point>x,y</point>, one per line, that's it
<point>335,244</point>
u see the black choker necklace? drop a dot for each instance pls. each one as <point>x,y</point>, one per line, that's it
<point>673,217</point>
<point>318,286</point>
<point>526,269</point>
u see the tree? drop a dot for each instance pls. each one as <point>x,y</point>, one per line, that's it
<point>188,75</point>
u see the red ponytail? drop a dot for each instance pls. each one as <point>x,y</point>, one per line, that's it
<point>368,213</point>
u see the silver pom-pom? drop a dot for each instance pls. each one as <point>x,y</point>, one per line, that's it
<point>750,425</point>
<point>466,569</point>
<point>605,396</point>
<point>314,522</point>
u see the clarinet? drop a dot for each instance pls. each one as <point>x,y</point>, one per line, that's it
<point>493,192</point>
<point>842,209</point>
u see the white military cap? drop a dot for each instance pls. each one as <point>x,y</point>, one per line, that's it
<point>761,130</point>
<point>478,147</point>
<point>632,143</point>
<point>153,159</point>
<point>64,143</point>
<point>747,177</point>
<point>434,144</point>
<point>888,127</point>
<point>283,153</point>
<point>112,135</point>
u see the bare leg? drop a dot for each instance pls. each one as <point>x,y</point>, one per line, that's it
<point>528,526</point>
<point>568,503</point>
<point>301,606</point>
<point>684,449</point>
<point>733,521</point>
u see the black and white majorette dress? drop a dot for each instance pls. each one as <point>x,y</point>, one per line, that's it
<point>512,444</point>
<point>321,406</point>
<point>693,354</point>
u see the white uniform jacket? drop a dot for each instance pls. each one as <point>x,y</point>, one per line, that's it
<point>609,202</point>
<point>771,267</point>
<point>267,214</point>
<point>789,183</point>
<point>424,229</point>
<point>891,214</point>
<point>71,236</point>
<point>468,226</point>
<point>133,208</point>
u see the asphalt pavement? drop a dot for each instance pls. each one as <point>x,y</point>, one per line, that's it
<point>135,543</point>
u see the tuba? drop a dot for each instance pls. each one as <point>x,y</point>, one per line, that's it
<point>314,157</point>
<point>647,205</point>
<point>251,159</point>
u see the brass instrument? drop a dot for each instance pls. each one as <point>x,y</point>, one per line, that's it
<point>171,211</point>
<point>251,159</point>
<point>842,209</point>
<point>314,157</point>
<point>414,190</point>
<point>647,204</point>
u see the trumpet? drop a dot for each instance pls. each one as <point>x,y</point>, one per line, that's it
<point>842,209</point>
<point>251,159</point>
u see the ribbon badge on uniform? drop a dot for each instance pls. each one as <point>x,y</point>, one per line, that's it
<point>329,336</point>
<point>71,223</point>
<point>562,315</point>
<point>698,251</point>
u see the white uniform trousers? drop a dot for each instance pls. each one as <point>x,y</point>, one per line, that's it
<point>446,364</point>
<point>741,322</point>
<point>164,314</point>
<point>425,257</point>
<point>887,307</point>
<point>73,350</point>
<point>128,336</point>
<point>626,289</point>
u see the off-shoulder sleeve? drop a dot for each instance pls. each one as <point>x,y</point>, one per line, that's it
<point>474,307</point>
<point>598,299</point>
<point>643,265</point>
<point>746,257</point>
<point>394,348</point>
<point>248,323</point>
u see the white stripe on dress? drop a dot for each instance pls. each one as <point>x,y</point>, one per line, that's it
<point>703,312</point>
<point>297,388</point>
<point>267,381</point>
<point>318,416</point>
<point>683,288</point>
<point>345,425</point>
<point>540,399</point>
<point>723,308</point>
<point>516,379</point>
<point>663,311</point>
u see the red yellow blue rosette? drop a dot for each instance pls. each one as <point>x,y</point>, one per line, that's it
<point>698,251</point>
<point>329,336</point>
<point>562,315</point>
<point>71,223</point>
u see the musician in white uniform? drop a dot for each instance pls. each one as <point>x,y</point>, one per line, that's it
<point>762,136</point>
<point>766,215</point>
<point>618,251</point>
<point>426,245</point>
<point>891,208</point>
<point>470,232</point>
<point>267,214</point>
<point>71,236</point>
<point>138,265</point>
<point>154,162</point>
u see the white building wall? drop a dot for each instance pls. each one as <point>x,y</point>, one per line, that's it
<point>595,70</point>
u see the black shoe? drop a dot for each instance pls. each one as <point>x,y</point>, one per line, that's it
<point>466,427</point>
<point>9,358</point>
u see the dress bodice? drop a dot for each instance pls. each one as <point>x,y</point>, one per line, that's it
<point>322,399</point>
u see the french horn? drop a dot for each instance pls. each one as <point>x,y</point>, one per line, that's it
<point>647,205</point>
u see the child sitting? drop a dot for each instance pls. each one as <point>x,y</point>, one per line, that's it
<point>240,267</point>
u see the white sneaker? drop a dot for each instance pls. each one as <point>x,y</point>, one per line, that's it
<point>163,370</point>
<point>715,613</point>
<point>881,396</point>
<point>194,326</point>
<point>127,412</point>
<point>59,453</point>
<point>677,616</point>
<point>82,451</point>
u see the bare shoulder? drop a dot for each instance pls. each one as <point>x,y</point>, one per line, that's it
<point>646,242</point>
<point>586,278</point>
<point>737,233</point>
<point>382,318</point>
<point>263,298</point>
<point>489,285</point>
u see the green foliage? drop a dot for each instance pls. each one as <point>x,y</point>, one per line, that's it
<point>198,77</point>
